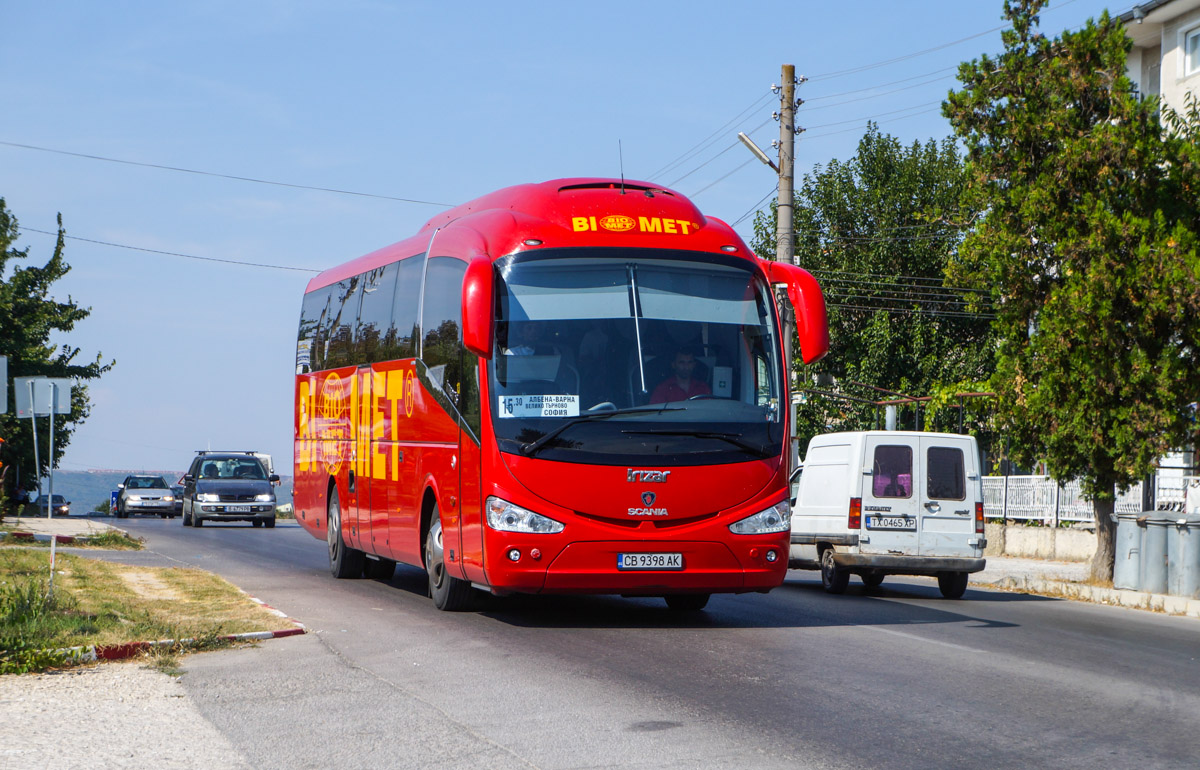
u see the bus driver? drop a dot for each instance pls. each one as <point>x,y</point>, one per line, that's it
<point>680,386</point>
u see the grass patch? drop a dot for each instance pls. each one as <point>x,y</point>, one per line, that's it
<point>108,541</point>
<point>100,603</point>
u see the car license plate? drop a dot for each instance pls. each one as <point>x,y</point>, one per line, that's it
<point>908,523</point>
<point>649,561</point>
<point>237,509</point>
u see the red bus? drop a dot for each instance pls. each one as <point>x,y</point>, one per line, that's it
<point>568,387</point>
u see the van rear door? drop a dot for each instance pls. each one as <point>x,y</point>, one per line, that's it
<point>947,496</point>
<point>890,504</point>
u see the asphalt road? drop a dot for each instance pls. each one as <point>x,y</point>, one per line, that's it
<point>896,677</point>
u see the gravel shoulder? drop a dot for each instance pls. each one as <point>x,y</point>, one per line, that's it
<point>118,715</point>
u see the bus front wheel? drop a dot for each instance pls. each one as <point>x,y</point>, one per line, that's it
<point>448,592</point>
<point>344,562</point>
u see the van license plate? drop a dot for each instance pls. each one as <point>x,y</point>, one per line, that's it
<point>237,509</point>
<point>903,523</point>
<point>649,561</point>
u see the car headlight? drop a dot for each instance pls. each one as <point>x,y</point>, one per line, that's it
<point>207,497</point>
<point>134,498</point>
<point>777,518</point>
<point>168,498</point>
<point>506,517</point>
<point>267,498</point>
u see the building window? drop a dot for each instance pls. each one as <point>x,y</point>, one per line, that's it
<point>1191,52</point>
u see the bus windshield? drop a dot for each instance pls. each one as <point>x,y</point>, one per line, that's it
<point>614,356</point>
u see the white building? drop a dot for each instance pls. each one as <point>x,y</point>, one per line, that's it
<point>1165,58</point>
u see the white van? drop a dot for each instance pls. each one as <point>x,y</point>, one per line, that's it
<point>876,503</point>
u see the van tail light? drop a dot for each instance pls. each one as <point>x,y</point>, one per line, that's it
<point>854,520</point>
<point>979,518</point>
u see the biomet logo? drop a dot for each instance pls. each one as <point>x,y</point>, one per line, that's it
<point>622,223</point>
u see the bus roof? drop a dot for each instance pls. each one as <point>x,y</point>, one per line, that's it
<point>558,213</point>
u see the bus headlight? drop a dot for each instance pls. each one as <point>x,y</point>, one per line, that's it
<point>777,518</point>
<point>506,517</point>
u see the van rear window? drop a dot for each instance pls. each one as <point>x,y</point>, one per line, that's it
<point>947,478</point>
<point>892,471</point>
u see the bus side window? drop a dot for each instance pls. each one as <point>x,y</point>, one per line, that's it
<point>440,323</point>
<point>400,340</point>
<point>344,315</point>
<point>375,315</point>
<point>310,345</point>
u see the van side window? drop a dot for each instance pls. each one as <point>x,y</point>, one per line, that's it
<point>893,471</point>
<point>947,477</point>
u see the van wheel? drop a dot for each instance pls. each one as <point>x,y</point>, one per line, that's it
<point>872,579</point>
<point>448,592</point>
<point>344,562</point>
<point>952,584</point>
<point>833,578</point>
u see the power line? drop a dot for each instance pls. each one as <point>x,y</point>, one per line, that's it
<point>172,253</point>
<point>223,176</point>
<point>708,140</point>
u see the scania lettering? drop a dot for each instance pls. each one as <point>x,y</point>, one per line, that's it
<point>485,400</point>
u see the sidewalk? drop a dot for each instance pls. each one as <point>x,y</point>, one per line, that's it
<point>43,528</point>
<point>1066,580</point>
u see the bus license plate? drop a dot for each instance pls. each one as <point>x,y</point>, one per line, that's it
<point>649,561</point>
<point>237,509</point>
<point>892,522</point>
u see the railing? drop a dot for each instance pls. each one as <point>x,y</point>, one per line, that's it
<point>1041,498</point>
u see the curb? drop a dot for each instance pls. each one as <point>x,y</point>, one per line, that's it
<point>95,653</point>
<point>61,539</point>
<point>1117,597</point>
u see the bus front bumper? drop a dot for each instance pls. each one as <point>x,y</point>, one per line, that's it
<point>739,566</point>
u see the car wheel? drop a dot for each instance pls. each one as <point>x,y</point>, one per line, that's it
<point>872,579</point>
<point>952,584</point>
<point>162,515</point>
<point>269,523</point>
<point>379,569</point>
<point>686,602</point>
<point>833,578</point>
<point>256,523</point>
<point>344,562</point>
<point>449,593</point>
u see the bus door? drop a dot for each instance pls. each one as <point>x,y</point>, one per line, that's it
<point>359,479</point>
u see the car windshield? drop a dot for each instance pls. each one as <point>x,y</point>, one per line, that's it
<point>618,332</point>
<point>232,468</point>
<point>146,482</point>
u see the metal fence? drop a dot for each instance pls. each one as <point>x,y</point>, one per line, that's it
<point>1041,498</point>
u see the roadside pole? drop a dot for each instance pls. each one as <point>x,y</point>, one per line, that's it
<point>50,499</point>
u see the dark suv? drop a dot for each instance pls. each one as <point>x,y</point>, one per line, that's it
<point>228,486</point>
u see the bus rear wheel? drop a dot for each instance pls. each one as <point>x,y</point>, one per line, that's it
<point>448,592</point>
<point>344,562</point>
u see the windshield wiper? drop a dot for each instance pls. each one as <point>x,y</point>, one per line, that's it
<point>732,438</point>
<point>533,446</point>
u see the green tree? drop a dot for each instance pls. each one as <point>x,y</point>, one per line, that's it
<point>28,316</point>
<point>1088,250</point>
<point>877,232</point>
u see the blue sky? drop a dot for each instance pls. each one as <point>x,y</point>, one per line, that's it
<point>426,101</point>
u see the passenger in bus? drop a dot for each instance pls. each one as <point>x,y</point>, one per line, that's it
<point>681,385</point>
<point>528,342</point>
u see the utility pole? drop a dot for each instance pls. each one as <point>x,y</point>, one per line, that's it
<point>785,237</point>
<point>785,244</point>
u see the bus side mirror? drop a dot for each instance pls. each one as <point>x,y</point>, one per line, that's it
<point>812,325</point>
<point>477,307</point>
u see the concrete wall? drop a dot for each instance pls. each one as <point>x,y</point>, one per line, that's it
<point>1055,543</point>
